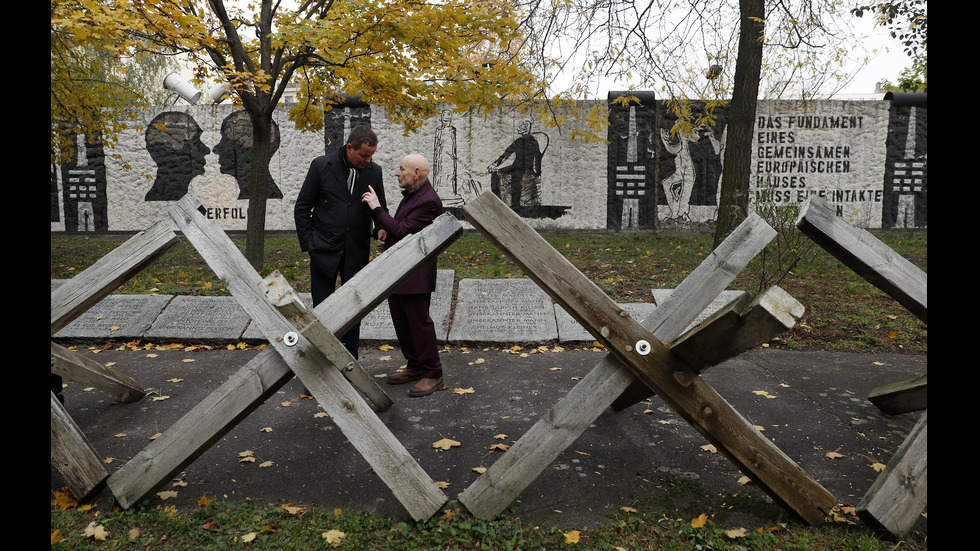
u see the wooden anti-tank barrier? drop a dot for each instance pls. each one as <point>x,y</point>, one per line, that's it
<point>653,356</point>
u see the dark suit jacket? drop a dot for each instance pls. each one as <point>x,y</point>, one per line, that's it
<point>331,220</point>
<point>416,211</point>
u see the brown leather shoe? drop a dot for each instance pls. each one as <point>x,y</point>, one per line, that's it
<point>425,387</point>
<point>404,376</point>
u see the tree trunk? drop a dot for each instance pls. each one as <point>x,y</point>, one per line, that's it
<point>734,203</point>
<point>258,190</point>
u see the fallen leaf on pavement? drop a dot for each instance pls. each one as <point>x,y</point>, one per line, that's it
<point>445,444</point>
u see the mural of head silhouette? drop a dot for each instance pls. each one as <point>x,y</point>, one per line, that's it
<point>173,140</point>
<point>235,152</point>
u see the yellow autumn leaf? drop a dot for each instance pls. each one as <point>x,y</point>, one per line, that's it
<point>878,466</point>
<point>626,509</point>
<point>469,390</point>
<point>293,509</point>
<point>833,455</point>
<point>188,360</point>
<point>743,480</point>
<point>174,380</point>
<point>500,447</point>
<point>204,501</point>
<point>442,484</point>
<point>384,358</point>
<point>160,398</point>
<point>249,537</point>
<point>572,536</point>
<point>333,537</point>
<point>96,532</point>
<point>266,429</point>
<point>736,533</point>
<point>763,393</point>
<point>386,347</point>
<point>480,470</point>
<point>266,464</point>
<point>500,436</point>
<point>445,444</point>
<point>709,448</point>
<point>165,495</point>
<point>700,521</point>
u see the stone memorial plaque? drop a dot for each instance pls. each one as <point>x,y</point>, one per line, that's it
<point>502,310</point>
<point>116,317</point>
<point>660,295</point>
<point>570,330</point>
<point>200,318</point>
<point>377,326</point>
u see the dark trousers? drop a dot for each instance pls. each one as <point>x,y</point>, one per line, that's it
<point>323,282</point>
<point>416,333</point>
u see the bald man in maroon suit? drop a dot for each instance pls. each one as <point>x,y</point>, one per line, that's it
<point>409,303</point>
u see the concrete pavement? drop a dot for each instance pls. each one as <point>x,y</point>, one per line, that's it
<point>645,457</point>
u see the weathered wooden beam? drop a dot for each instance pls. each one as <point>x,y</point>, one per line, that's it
<point>649,360</point>
<point>900,397</point>
<point>388,458</point>
<point>699,289</point>
<point>187,439</point>
<point>898,496</point>
<point>195,432</point>
<point>503,481</point>
<point>866,255</point>
<point>734,330</point>
<point>83,291</point>
<point>73,456</point>
<point>246,285</point>
<point>291,306</point>
<point>86,371</point>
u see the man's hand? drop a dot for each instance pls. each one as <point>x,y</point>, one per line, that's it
<point>371,198</point>
<point>382,235</point>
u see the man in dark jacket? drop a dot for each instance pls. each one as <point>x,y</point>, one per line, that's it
<point>409,303</point>
<point>332,223</point>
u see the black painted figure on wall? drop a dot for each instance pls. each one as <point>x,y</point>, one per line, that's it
<point>235,152</point>
<point>173,140</point>
<point>517,184</point>
<point>445,178</point>
<point>691,169</point>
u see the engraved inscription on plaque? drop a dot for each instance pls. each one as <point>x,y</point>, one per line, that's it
<point>503,310</point>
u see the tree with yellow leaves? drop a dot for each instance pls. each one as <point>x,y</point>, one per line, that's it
<point>403,55</point>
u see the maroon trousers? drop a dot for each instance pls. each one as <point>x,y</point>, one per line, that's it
<point>416,333</point>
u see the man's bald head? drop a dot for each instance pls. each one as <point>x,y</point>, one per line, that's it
<point>412,171</point>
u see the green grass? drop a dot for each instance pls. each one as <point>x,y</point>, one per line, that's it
<point>843,311</point>
<point>219,525</point>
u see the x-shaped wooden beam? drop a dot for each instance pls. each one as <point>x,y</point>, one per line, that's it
<point>71,453</point>
<point>321,364</point>
<point>635,353</point>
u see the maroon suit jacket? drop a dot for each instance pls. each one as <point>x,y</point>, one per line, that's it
<point>417,210</point>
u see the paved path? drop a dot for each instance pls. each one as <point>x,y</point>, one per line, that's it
<point>646,457</point>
